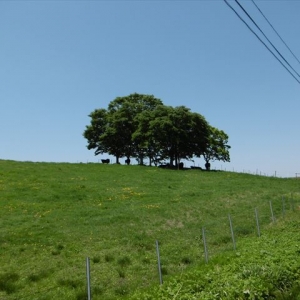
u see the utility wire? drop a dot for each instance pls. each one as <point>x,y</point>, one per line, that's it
<point>260,40</point>
<point>276,31</point>
<point>244,10</point>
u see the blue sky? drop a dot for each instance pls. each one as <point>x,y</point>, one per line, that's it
<point>60,60</point>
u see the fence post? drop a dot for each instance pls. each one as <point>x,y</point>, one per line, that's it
<point>232,233</point>
<point>272,213</point>
<point>158,263</point>
<point>205,246</point>
<point>257,222</point>
<point>292,202</point>
<point>283,207</point>
<point>88,279</point>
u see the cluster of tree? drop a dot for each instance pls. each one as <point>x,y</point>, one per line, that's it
<point>141,126</point>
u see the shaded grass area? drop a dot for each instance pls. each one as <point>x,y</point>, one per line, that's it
<point>54,215</point>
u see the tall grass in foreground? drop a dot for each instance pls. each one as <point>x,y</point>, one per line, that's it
<point>55,215</point>
<point>263,268</point>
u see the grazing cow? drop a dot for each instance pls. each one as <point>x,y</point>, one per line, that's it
<point>105,161</point>
<point>207,166</point>
<point>164,166</point>
<point>193,167</point>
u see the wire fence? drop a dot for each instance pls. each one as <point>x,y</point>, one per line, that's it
<point>220,167</point>
<point>223,233</point>
<point>219,234</point>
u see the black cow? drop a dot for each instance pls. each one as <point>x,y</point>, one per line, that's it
<point>207,166</point>
<point>193,167</point>
<point>105,161</point>
<point>164,166</point>
<point>127,161</point>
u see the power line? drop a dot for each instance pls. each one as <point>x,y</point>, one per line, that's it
<point>276,31</point>
<point>260,39</point>
<point>244,10</point>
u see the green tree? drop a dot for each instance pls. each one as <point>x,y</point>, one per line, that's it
<point>141,126</point>
<point>173,133</point>
<point>198,136</point>
<point>95,130</point>
<point>217,149</point>
<point>123,120</point>
<point>111,130</point>
<point>151,134</point>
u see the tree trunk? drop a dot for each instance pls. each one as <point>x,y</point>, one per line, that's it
<point>141,160</point>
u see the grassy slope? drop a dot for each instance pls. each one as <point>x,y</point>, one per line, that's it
<point>54,215</point>
<point>262,268</point>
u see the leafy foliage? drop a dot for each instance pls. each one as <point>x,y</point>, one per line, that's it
<point>95,130</point>
<point>217,148</point>
<point>173,133</point>
<point>141,126</point>
<point>111,130</point>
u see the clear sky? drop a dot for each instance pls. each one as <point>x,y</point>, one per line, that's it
<point>60,60</point>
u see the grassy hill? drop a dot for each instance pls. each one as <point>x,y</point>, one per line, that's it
<point>53,216</point>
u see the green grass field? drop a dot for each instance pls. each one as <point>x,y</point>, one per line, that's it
<point>54,215</point>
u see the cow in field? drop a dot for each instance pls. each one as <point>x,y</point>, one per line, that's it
<point>207,166</point>
<point>105,161</point>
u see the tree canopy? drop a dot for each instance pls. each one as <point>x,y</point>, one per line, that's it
<point>217,147</point>
<point>141,126</point>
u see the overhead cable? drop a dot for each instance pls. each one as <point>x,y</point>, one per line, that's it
<point>276,31</point>
<point>244,10</point>
<point>261,40</point>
